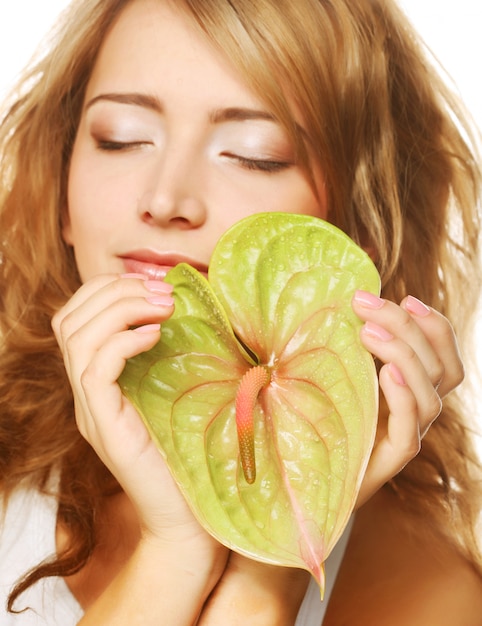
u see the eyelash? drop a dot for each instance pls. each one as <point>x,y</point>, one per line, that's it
<point>118,146</point>
<point>258,165</point>
<point>261,165</point>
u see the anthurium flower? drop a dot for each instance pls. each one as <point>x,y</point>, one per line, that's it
<point>259,393</point>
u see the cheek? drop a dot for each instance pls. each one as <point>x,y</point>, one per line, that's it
<point>300,197</point>
<point>288,192</point>
<point>316,199</point>
<point>93,202</point>
<point>80,213</point>
<point>77,192</point>
<point>303,195</point>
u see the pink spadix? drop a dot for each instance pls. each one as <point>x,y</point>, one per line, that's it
<point>251,384</point>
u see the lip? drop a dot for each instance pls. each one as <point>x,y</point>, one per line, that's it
<point>155,265</point>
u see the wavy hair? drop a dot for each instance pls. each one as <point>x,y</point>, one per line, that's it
<point>402,176</point>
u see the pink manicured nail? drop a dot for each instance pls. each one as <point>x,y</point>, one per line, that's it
<point>415,306</point>
<point>158,286</point>
<point>161,300</point>
<point>148,328</point>
<point>369,300</point>
<point>373,330</point>
<point>396,375</point>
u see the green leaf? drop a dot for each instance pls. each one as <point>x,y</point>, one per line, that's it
<point>279,295</point>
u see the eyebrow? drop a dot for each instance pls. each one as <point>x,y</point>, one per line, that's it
<point>240,114</point>
<point>145,101</point>
<point>218,116</point>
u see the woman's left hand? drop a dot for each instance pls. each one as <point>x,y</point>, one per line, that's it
<point>255,593</point>
<point>421,364</point>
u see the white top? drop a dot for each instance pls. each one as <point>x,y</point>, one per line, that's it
<point>27,536</point>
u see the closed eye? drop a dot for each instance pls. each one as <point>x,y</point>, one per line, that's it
<point>260,165</point>
<point>118,146</point>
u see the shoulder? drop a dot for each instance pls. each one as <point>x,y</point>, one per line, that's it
<point>403,575</point>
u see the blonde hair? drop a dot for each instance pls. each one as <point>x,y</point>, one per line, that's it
<point>402,176</point>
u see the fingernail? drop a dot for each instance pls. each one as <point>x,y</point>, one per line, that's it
<point>161,300</point>
<point>368,300</point>
<point>158,286</point>
<point>148,328</point>
<point>373,330</point>
<point>396,375</point>
<point>415,306</point>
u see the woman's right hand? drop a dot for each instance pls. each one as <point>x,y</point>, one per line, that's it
<point>96,336</point>
<point>176,564</point>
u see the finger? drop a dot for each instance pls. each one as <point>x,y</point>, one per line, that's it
<point>115,317</point>
<point>78,298</point>
<point>404,362</point>
<point>116,306</point>
<point>428,332</point>
<point>119,436</point>
<point>97,294</point>
<point>440,335</point>
<point>399,323</point>
<point>103,397</point>
<point>121,439</point>
<point>399,439</point>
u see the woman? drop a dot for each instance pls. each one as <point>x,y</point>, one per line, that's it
<point>118,163</point>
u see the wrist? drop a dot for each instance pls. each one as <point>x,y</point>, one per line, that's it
<point>200,559</point>
<point>162,582</point>
<point>275,595</point>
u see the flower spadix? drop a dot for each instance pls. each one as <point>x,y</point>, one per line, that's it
<point>259,393</point>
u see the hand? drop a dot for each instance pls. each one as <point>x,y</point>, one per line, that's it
<point>110,319</point>
<point>421,365</point>
<point>95,334</point>
<point>254,593</point>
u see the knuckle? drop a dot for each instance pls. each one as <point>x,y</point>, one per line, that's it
<point>437,372</point>
<point>404,322</point>
<point>434,410</point>
<point>410,356</point>
<point>445,330</point>
<point>89,377</point>
<point>55,322</point>
<point>434,407</point>
<point>120,289</point>
<point>452,378</point>
<point>59,326</point>
<point>459,374</point>
<point>444,336</point>
<point>411,447</point>
<point>62,327</point>
<point>72,341</point>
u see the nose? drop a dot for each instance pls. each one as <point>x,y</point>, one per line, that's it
<point>173,193</point>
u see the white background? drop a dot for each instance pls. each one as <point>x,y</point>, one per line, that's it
<point>452,30</point>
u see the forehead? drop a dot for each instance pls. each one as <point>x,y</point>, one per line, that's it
<point>155,45</point>
<point>157,48</point>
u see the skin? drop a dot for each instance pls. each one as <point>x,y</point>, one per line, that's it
<point>161,167</point>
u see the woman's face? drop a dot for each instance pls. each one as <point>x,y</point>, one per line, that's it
<point>172,149</point>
